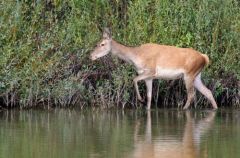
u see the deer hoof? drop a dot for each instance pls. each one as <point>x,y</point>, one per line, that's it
<point>215,108</point>
<point>141,99</point>
<point>185,108</point>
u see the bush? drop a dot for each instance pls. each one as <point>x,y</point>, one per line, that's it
<point>44,47</point>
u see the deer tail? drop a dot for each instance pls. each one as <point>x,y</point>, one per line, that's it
<point>206,58</point>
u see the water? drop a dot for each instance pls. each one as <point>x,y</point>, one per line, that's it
<point>132,133</point>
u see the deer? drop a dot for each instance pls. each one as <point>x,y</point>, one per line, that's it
<point>155,61</point>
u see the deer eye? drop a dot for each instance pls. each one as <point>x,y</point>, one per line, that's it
<point>102,44</point>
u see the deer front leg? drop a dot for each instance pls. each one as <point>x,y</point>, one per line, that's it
<point>137,90</point>
<point>149,92</point>
<point>190,91</point>
<point>139,78</point>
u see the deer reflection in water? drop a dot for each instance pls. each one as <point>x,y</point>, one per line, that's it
<point>188,147</point>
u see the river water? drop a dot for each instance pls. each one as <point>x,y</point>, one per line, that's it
<point>61,133</point>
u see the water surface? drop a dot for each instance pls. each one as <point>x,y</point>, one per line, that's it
<point>65,133</point>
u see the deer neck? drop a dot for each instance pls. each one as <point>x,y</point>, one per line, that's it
<point>125,53</point>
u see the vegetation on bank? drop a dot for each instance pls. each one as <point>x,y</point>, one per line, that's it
<point>45,46</point>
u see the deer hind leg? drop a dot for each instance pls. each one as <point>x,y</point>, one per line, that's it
<point>190,91</point>
<point>139,78</point>
<point>204,90</point>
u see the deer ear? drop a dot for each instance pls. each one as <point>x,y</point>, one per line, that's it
<point>106,33</point>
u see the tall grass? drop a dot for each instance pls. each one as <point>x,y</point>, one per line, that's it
<point>44,48</point>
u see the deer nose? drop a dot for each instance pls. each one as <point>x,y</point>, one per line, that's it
<point>93,57</point>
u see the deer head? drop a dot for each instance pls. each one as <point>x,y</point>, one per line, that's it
<point>103,47</point>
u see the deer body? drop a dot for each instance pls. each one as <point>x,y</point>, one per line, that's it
<point>166,62</point>
<point>154,61</point>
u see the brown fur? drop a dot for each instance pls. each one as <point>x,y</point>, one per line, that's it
<point>170,57</point>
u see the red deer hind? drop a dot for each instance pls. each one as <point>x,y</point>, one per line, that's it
<point>154,61</point>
